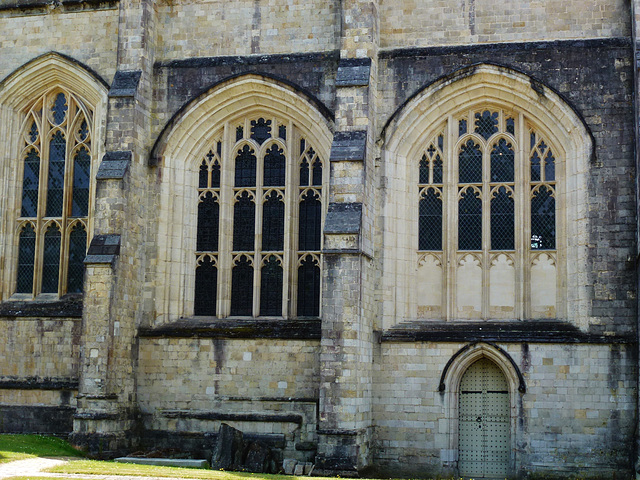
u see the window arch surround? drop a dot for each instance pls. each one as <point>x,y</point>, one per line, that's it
<point>419,120</point>
<point>450,391</point>
<point>48,74</point>
<point>179,153</point>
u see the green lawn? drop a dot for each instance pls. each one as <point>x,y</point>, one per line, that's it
<point>84,467</point>
<point>18,447</point>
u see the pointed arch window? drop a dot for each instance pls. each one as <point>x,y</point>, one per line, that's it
<point>55,161</point>
<point>263,180</point>
<point>486,218</point>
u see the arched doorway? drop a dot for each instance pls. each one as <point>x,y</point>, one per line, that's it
<point>484,422</point>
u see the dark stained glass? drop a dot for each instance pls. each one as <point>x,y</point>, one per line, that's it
<point>303,145</point>
<point>55,185</point>
<point>203,176</point>
<point>470,163</point>
<point>533,140</point>
<point>274,167</point>
<point>308,288</point>
<point>430,221</point>
<point>437,169</point>
<point>502,220</point>
<point>80,197</point>
<point>51,260</point>
<point>310,221</point>
<point>549,167</point>
<point>502,162</point>
<point>282,132</point>
<point>219,149</point>
<point>77,253</point>
<point>59,109</point>
<point>462,127</point>
<point>33,133</point>
<point>535,167</point>
<point>486,124</point>
<point>242,288</point>
<point>208,224</point>
<point>239,133</point>
<point>206,289</point>
<point>26,257</point>
<point>440,142</point>
<point>424,171</point>
<point>304,173</point>
<point>511,126</point>
<point>271,288</point>
<point>273,223</point>
<point>83,132</point>
<point>543,220</point>
<point>245,167</point>
<point>244,212</point>
<point>30,184</point>
<point>317,172</point>
<point>470,220</point>
<point>215,175</point>
<point>260,130</point>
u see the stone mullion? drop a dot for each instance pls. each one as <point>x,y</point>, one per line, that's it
<point>486,227</point>
<point>450,240</point>
<point>225,222</point>
<point>67,199</point>
<point>521,223</point>
<point>258,221</point>
<point>289,253</point>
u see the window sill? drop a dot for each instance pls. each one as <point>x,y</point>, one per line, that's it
<point>238,327</point>
<point>46,305</point>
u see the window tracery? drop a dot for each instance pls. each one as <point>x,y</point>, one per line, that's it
<point>265,188</point>
<point>487,224</point>
<point>55,200</point>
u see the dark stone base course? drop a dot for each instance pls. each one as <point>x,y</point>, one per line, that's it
<point>200,444</point>
<point>36,419</point>
<point>105,445</point>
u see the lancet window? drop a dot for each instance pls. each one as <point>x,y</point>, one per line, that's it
<point>260,212</point>
<point>487,219</point>
<point>52,223</point>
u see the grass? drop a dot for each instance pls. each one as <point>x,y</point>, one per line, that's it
<point>18,447</point>
<point>84,467</point>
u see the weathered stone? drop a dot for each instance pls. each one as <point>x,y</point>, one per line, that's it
<point>229,449</point>
<point>299,469</point>
<point>257,458</point>
<point>288,465</point>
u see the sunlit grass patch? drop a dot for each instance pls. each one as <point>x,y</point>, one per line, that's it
<point>18,447</point>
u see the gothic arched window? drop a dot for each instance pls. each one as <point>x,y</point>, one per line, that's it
<point>55,162</point>
<point>486,219</point>
<point>259,222</point>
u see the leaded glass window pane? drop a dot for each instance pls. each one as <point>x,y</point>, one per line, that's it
<point>203,177</point>
<point>215,175</point>
<point>242,288</point>
<point>543,220</point>
<point>273,223</point>
<point>317,173</point>
<point>470,220</point>
<point>51,260</point>
<point>430,221</point>
<point>33,132</point>
<point>310,221</point>
<point>470,163</point>
<point>271,288</point>
<point>274,167</point>
<point>502,220</point>
<point>549,167</point>
<point>282,132</point>
<point>80,197</point>
<point>511,126</point>
<point>206,289</point>
<point>244,212</point>
<point>424,170</point>
<point>437,169</point>
<point>308,288</point>
<point>486,124</point>
<point>26,258</point>
<point>260,130</point>
<point>30,184</point>
<point>535,167</point>
<point>239,133</point>
<point>55,185</point>
<point>208,224</point>
<point>77,253</point>
<point>59,109</point>
<point>304,173</point>
<point>246,167</point>
<point>462,127</point>
<point>83,131</point>
<point>502,162</point>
